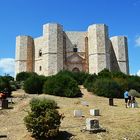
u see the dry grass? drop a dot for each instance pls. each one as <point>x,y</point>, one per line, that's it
<point>121,123</point>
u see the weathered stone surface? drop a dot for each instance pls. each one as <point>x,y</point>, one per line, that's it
<point>94,112</point>
<point>92,123</point>
<point>78,113</point>
<point>120,47</point>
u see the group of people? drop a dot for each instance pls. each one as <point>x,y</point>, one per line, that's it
<point>129,100</point>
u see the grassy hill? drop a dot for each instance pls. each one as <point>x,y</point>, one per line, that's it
<point>121,123</point>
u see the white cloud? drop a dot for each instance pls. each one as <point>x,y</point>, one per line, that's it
<point>7,66</point>
<point>137,41</point>
<point>138,73</point>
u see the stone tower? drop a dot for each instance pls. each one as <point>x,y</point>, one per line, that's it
<point>99,48</point>
<point>24,54</point>
<point>120,55</point>
<point>52,52</point>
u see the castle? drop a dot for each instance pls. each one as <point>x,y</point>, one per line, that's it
<point>90,51</point>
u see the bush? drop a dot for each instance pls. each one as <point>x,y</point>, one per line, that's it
<point>5,84</point>
<point>107,88</point>
<point>105,73</point>
<point>22,76</point>
<point>44,120</point>
<point>33,85</point>
<point>80,77</point>
<point>134,83</point>
<point>89,82</point>
<point>41,105</point>
<point>61,85</point>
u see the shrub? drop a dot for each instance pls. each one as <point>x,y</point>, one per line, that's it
<point>41,105</point>
<point>134,83</point>
<point>44,120</point>
<point>107,88</point>
<point>33,85</point>
<point>22,76</point>
<point>5,84</point>
<point>61,85</point>
<point>90,81</point>
<point>105,73</point>
<point>80,77</point>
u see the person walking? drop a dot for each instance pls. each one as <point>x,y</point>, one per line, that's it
<point>126,98</point>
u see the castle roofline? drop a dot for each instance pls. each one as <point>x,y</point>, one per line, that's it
<point>24,36</point>
<point>118,36</point>
<point>98,24</point>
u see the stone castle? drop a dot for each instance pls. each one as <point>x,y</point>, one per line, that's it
<point>90,51</point>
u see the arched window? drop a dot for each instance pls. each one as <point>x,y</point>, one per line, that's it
<point>40,68</point>
<point>40,53</point>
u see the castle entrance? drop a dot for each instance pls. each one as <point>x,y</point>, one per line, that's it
<point>75,70</point>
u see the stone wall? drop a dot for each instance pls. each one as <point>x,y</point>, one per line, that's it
<point>75,39</point>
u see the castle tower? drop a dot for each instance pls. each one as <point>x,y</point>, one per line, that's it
<point>53,53</point>
<point>120,48</point>
<point>99,47</point>
<point>24,54</point>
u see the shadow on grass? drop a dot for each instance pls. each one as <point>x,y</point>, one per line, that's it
<point>3,136</point>
<point>64,135</point>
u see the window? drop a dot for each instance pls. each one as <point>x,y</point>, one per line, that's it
<point>40,68</point>
<point>40,52</point>
<point>75,48</point>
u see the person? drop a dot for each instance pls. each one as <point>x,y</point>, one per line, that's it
<point>132,101</point>
<point>126,98</point>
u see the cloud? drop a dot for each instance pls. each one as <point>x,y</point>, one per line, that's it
<point>138,73</point>
<point>137,41</point>
<point>7,66</point>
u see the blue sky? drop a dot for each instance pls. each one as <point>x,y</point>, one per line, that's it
<point>26,17</point>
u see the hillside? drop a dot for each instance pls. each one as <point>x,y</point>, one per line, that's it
<point>121,123</point>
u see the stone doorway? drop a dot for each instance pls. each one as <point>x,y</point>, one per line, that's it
<point>75,70</point>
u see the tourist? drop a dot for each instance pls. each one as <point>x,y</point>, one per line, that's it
<point>132,101</point>
<point>126,98</point>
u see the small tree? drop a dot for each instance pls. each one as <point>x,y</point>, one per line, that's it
<point>44,120</point>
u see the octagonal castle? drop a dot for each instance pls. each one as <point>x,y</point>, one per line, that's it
<point>90,51</point>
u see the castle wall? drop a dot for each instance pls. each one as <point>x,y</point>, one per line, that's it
<point>40,47</point>
<point>98,48</point>
<point>74,39</point>
<point>53,51</point>
<point>24,54</point>
<point>120,47</point>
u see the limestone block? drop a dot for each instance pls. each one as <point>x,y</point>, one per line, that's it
<point>84,103</point>
<point>94,112</point>
<point>92,123</point>
<point>77,113</point>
